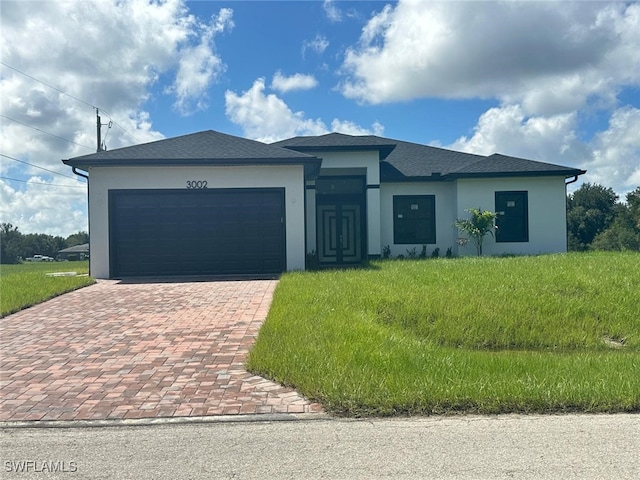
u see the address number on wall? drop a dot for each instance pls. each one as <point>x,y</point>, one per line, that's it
<point>196,184</point>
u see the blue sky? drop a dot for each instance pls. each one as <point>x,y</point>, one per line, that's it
<point>259,48</point>
<point>551,81</point>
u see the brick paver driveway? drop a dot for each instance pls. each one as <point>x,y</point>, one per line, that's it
<point>118,350</point>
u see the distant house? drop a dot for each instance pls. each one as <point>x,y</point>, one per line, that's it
<point>77,252</point>
<point>211,203</point>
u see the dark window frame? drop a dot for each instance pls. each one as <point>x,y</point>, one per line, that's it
<point>518,230</point>
<point>407,227</point>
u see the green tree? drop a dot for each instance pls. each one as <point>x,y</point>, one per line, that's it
<point>633,204</point>
<point>590,210</point>
<point>79,238</point>
<point>624,232</point>
<point>42,244</point>
<point>11,244</point>
<point>477,227</point>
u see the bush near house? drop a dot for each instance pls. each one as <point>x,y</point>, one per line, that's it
<point>477,226</point>
<point>553,333</point>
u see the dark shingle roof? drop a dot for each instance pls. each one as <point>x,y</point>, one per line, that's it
<point>406,161</point>
<point>338,142</point>
<point>202,148</point>
<point>410,160</point>
<point>400,161</point>
<point>84,248</point>
<point>497,163</point>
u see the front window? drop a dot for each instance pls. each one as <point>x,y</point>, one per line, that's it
<point>414,219</point>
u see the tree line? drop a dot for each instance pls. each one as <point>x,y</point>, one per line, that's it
<point>16,246</point>
<point>597,220</point>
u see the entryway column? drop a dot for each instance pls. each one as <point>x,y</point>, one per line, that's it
<point>373,220</point>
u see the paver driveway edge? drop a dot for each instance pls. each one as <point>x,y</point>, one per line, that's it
<point>139,422</point>
<point>140,350</point>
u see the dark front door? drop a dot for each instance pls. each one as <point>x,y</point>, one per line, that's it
<point>340,216</point>
<point>512,219</point>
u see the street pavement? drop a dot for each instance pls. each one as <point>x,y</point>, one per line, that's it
<point>316,446</point>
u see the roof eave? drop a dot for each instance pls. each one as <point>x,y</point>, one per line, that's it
<point>383,150</point>
<point>448,177</point>
<point>311,164</point>
<point>548,173</point>
<point>425,178</point>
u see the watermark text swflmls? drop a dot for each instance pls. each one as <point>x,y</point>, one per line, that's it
<point>40,466</point>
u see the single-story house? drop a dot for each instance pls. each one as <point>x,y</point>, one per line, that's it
<point>212,203</point>
<point>77,252</point>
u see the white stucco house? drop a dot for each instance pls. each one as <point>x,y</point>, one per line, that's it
<point>209,203</point>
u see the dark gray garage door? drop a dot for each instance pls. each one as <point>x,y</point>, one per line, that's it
<point>196,232</point>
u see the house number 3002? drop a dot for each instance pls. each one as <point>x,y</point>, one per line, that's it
<point>196,184</point>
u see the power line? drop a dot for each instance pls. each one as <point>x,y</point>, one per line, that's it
<point>48,85</point>
<point>74,97</point>
<point>42,131</point>
<point>37,166</point>
<point>42,183</point>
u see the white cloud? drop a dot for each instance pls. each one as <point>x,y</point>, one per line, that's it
<point>199,66</point>
<point>297,81</point>
<point>319,44</point>
<point>509,131</point>
<point>611,158</point>
<point>44,206</point>
<point>550,57</point>
<point>351,128</point>
<point>110,54</point>
<point>547,63</point>
<point>333,13</point>
<point>267,118</point>
<point>616,153</point>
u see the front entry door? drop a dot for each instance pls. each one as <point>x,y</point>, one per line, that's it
<point>340,234</point>
<point>340,217</point>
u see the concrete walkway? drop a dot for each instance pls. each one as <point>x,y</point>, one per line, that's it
<point>120,350</point>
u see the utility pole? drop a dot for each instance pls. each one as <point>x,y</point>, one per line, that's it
<point>98,128</point>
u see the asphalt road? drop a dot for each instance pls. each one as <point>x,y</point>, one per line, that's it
<point>466,447</point>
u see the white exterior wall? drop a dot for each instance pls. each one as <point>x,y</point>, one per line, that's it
<point>547,212</point>
<point>348,163</point>
<point>102,179</point>
<point>445,214</point>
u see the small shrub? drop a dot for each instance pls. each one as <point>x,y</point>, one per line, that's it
<point>386,252</point>
<point>476,227</point>
<point>413,253</point>
<point>435,253</point>
<point>449,253</point>
<point>423,253</point>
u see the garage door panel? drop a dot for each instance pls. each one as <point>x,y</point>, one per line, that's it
<point>169,232</point>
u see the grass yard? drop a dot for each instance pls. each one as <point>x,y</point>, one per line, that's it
<point>553,333</point>
<point>26,284</point>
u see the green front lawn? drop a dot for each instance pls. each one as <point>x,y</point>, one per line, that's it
<point>27,284</point>
<point>551,333</point>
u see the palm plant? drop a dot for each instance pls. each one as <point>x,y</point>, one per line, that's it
<point>477,227</point>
